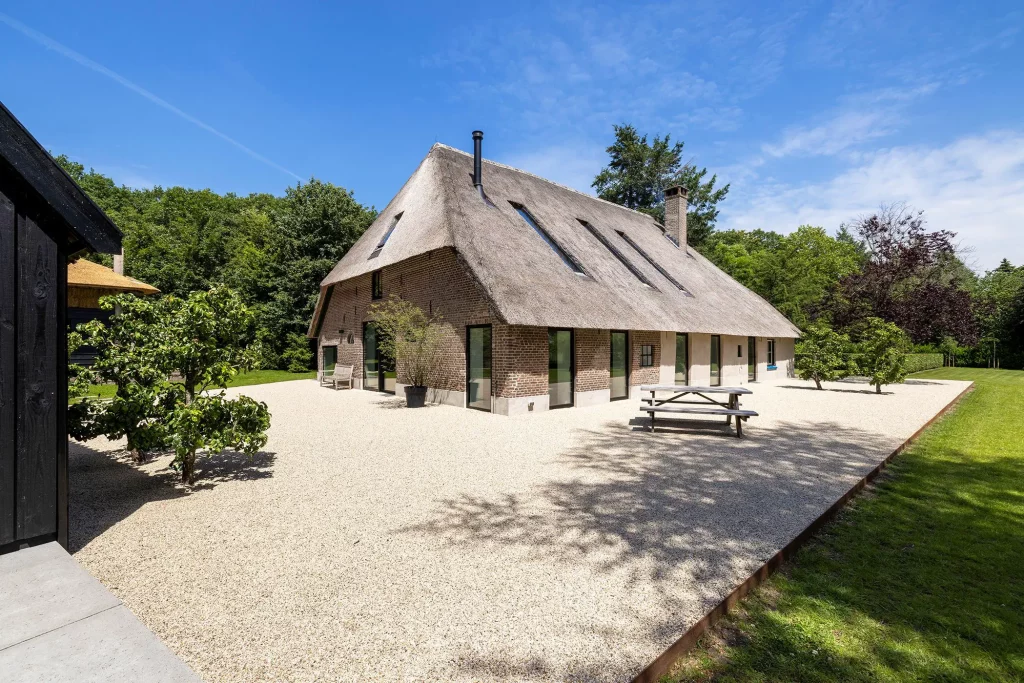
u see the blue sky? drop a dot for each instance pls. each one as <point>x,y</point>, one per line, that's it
<point>816,112</point>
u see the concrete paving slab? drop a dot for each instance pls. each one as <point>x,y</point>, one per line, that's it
<point>43,588</point>
<point>111,646</point>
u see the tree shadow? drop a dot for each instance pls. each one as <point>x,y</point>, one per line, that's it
<point>106,487</point>
<point>396,403</point>
<point>687,514</point>
<point>841,391</point>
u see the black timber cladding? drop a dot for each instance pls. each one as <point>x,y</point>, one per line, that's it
<point>44,219</point>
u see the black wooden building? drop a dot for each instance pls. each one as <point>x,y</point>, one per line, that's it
<point>45,219</point>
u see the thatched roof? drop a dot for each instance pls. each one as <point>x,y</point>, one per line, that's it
<point>527,283</point>
<point>84,273</point>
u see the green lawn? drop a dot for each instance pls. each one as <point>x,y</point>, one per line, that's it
<point>242,380</point>
<point>920,579</point>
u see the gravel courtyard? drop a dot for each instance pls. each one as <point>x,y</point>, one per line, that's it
<point>372,542</point>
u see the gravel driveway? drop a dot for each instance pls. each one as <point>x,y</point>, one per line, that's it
<point>372,542</point>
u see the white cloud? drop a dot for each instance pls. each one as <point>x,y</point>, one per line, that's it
<point>973,186</point>
<point>572,165</point>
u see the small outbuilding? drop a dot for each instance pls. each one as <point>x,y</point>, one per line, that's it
<point>46,220</point>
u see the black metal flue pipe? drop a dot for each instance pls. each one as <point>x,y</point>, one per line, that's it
<point>478,136</point>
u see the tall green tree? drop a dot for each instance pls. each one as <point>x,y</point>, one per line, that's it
<point>823,355</point>
<point>639,170</point>
<point>884,349</point>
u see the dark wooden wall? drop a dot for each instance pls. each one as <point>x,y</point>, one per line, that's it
<point>33,375</point>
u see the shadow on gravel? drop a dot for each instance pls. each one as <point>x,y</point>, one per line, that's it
<point>841,391</point>
<point>106,487</point>
<point>687,515</point>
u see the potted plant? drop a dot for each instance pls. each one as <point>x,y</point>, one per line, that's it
<point>413,339</point>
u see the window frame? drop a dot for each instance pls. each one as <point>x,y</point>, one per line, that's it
<point>770,355</point>
<point>387,235</point>
<point>568,259</point>
<point>716,342</point>
<point>617,254</point>
<point>377,284</point>
<point>657,266</point>
<point>647,351</point>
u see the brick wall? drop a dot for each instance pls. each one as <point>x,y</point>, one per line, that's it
<point>437,283</point>
<point>637,374</point>
<point>520,361</point>
<point>593,359</point>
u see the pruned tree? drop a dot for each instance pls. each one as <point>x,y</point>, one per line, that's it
<point>884,349</point>
<point>823,355</point>
<point>411,337</point>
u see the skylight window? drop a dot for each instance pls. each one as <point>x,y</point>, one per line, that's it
<point>616,253</point>
<point>562,253</point>
<point>654,263</point>
<point>387,235</point>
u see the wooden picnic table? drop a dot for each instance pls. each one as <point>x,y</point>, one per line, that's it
<point>678,403</point>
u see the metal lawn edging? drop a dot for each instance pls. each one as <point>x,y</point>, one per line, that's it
<point>660,666</point>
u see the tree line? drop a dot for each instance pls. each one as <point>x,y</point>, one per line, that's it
<point>275,250</point>
<point>885,266</point>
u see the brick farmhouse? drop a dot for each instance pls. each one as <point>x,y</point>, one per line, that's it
<point>549,297</point>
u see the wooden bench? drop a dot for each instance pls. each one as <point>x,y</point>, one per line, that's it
<point>705,406</point>
<point>341,374</point>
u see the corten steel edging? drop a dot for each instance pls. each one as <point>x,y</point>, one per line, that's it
<point>660,666</point>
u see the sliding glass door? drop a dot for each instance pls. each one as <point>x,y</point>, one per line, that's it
<point>371,366</point>
<point>560,368</point>
<point>619,369</point>
<point>478,367</point>
<point>682,358</point>
<point>751,359</point>
<point>330,358</point>
<point>716,360</point>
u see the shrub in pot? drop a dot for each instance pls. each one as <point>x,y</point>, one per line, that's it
<point>413,339</point>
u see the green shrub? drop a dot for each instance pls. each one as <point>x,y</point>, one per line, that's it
<point>916,362</point>
<point>297,357</point>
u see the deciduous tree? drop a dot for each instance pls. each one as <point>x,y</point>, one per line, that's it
<point>823,355</point>
<point>884,349</point>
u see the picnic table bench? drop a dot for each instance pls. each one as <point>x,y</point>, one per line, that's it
<point>707,405</point>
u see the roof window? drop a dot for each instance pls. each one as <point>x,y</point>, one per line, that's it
<point>616,253</point>
<point>555,247</point>
<point>654,263</point>
<point>387,235</point>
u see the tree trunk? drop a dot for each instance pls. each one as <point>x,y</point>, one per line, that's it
<point>817,382</point>
<point>878,388</point>
<point>188,469</point>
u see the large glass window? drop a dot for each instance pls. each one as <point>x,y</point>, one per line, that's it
<point>371,367</point>
<point>751,359</point>
<point>682,358</point>
<point>716,360</point>
<point>330,358</point>
<point>478,367</point>
<point>619,370</point>
<point>560,368</point>
<point>555,246</point>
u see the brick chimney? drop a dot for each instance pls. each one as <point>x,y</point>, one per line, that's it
<point>675,214</point>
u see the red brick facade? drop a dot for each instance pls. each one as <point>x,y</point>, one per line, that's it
<point>641,375</point>
<point>593,359</point>
<point>438,283</point>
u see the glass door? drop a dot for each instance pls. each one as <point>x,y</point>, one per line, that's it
<point>478,367</point>
<point>330,358</point>
<point>682,358</point>
<point>371,367</point>
<point>619,369</point>
<point>560,368</point>
<point>716,360</point>
<point>751,359</point>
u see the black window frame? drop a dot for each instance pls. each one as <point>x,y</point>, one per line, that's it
<point>568,259</point>
<point>617,254</point>
<point>377,284</point>
<point>770,355</point>
<point>387,235</point>
<point>711,377</point>
<point>647,355</point>
<point>473,327</point>
<point>629,368</point>
<point>657,266</point>
<point>572,366</point>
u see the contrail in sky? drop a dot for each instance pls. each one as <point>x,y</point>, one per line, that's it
<point>52,44</point>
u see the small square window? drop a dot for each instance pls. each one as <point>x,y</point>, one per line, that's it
<point>376,285</point>
<point>646,355</point>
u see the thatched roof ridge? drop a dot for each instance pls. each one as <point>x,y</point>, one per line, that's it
<point>527,283</point>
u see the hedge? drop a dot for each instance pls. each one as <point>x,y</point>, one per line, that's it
<point>916,362</point>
